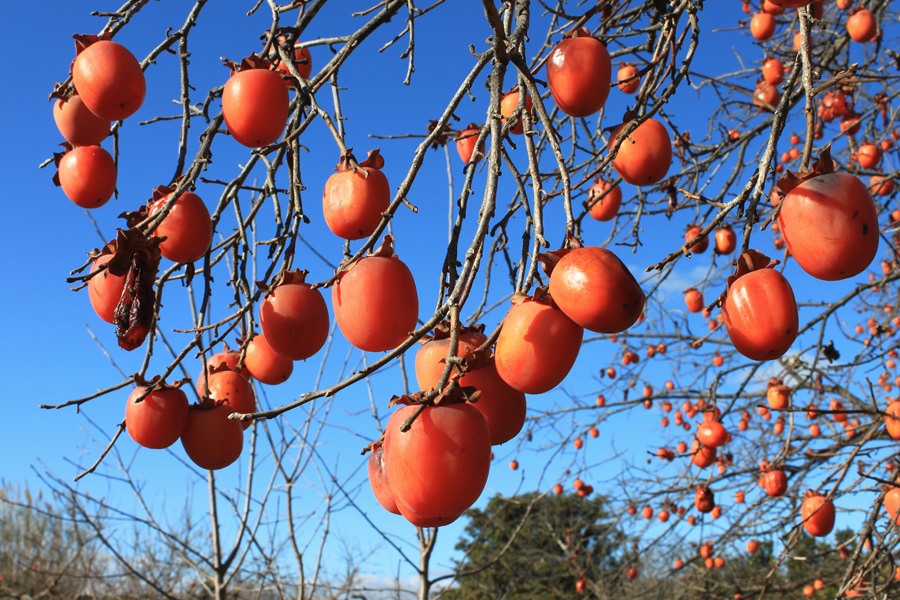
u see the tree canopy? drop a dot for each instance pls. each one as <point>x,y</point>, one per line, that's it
<point>646,251</point>
<point>537,546</point>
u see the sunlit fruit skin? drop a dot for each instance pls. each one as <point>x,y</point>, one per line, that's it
<point>378,480</point>
<point>892,419</point>
<point>774,482</point>
<point>693,232</point>
<point>766,96</point>
<point>726,240</point>
<point>537,346</point>
<point>508,105</point>
<point>226,359</point>
<point>232,389</point>
<point>817,513</point>
<point>892,504</point>
<point>212,440</point>
<point>773,8</point>
<point>628,81</point>
<point>503,407</point>
<point>187,227</point>
<point>105,290</point>
<point>868,155</point>
<point>255,105</point>
<point>861,25</point>
<point>294,318</point>
<point>693,300</point>
<point>431,356</point>
<point>439,467</point>
<point>604,205</point>
<point>109,80</point>
<point>158,419</point>
<point>578,74</point>
<point>830,225</point>
<point>354,200</point>
<point>264,364</point>
<point>778,396</point>
<point>762,26</point>
<point>712,434</point>
<point>881,185</point>
<point>596,290</point>
<point>465,144</point>
<point>87,176</point>
<point>375,303</point>
<point>645,155</point>
<point>77,123</point>
<point>761,314</point>
<point>773,71</point>
<point>702,456</point>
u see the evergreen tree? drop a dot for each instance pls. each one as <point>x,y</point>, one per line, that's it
<point>537,546</point>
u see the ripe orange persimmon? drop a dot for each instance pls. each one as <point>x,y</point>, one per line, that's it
<point>726,240</point>
<point>537,346</point>
<point>773,71</point>
<point>774,482</point>
<point>578,74</point>
<point>604,200</point>
<point>892,504</point>
<point>439,467</point>
<point>693,299</point>
<point>817,512</point>
<point>595,289</point>
<point>830,224</point>
<point>760,314</point>
<point>509,104</point>
<point>645,155</point>
<point>627,78</point>
<point>778,395</point>
<point>861,25</point>
<point>868,155</point>
<point>265,364</point>
<point>355,197</point>
<point>762,26</point>
<point>255,103</point>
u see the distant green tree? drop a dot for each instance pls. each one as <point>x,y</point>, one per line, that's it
<point>812,559</point>
<point>538,546</point>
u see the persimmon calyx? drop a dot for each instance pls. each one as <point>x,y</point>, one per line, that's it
<point>348,162</point>
<point>248,62</point>
<point>83,40</point>
<point>578,32</point>
<point>750,260</point>
<point>822,166</point>
<point>548,260</point>
<point>287,276</point>
<point>444,330</point>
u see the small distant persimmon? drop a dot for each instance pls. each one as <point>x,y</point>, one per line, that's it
<point>861,25</point>
<point>627,78</point>
<point>762,26</point>
<point>773,71</point>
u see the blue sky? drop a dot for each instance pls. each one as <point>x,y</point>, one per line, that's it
<point>55,343</point>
